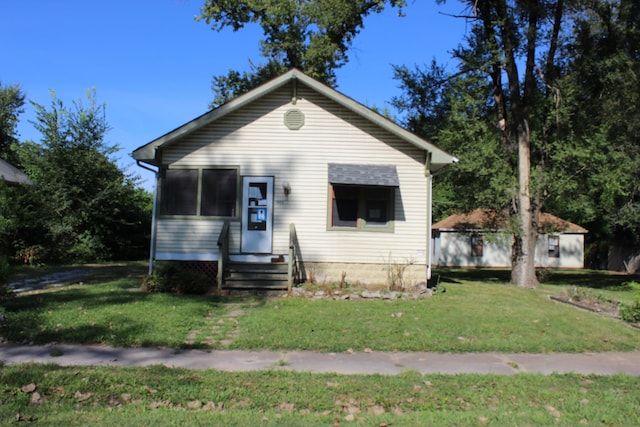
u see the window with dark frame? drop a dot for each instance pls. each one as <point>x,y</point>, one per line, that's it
<point>219,192</point>
<point>215,189</point>
<point>179,192</point>
<point>554,246</point>
<point>361,207</point>
<point>477,245</point>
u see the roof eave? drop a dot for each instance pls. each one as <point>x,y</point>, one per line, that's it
<point>147,152</point>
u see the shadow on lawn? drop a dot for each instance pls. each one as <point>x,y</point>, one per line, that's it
<point>593,279</point>
<point>485,275</point>
<point>113,314</point>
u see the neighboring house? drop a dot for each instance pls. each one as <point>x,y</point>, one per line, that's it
<point>301,174</point>
<point>11,174</point>
<point>481,239</point>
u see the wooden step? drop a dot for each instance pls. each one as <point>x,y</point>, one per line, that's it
<point>244,275</point>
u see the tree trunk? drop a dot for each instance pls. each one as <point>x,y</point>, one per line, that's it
<point>523,268</point>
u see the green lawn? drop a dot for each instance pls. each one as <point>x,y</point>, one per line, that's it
<point>472,315</point>
<point>478,312</point>
<point>157,395</point>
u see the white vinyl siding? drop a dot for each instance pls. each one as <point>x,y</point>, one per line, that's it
<point>256,139</point>
<point>453,250</point>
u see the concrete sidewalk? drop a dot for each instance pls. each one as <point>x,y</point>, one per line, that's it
<point>387,363</point>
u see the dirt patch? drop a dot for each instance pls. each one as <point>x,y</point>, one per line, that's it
<point>594,304</point>
<point>608,308</point>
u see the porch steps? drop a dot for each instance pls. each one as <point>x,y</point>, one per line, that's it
<point>256,275</point>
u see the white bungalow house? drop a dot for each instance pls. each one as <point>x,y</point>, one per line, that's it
<point>294,173</point>
<point>480,239</point>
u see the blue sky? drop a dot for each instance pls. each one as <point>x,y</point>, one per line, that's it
<point>152,63</point>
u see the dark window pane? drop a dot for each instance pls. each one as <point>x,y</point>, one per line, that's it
<point>377,206</point>
<point>179,192</point>
<point>219,192</point>
<point>477,245</point>
<point>344,212</point>
<point>554,247</point>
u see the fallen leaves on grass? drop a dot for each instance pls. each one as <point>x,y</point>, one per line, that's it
<point>82,397</point>
<point>553,411</point>
<point>29,388</point>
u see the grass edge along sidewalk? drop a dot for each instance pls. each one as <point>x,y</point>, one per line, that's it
<point>157,395</point>
<point>385,363</point>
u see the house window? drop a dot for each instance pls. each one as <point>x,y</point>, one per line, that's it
<point>477,245</point>
<point>554,246</point>
<point>180,192</point>
<point>199,192</point>
<point>361,207</point>
<point>219,192</point>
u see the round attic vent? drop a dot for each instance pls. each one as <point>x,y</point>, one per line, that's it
<point>294,119</point>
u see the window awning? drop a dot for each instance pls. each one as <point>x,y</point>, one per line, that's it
<point>379,175</point>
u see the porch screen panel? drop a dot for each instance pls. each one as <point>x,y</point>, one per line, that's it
<point>179,192</point>
<point>219,192</point>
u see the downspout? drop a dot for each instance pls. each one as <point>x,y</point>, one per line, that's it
<point>152,249</point>
<point>427,174</point>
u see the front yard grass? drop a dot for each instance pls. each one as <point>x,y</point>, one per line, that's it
<point>107,396</point>
<point>475,314</point>
<point>478,312</point>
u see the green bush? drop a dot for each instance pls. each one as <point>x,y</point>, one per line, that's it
<point>630,313</point>
<point>6,292</point>
<point>172,278</point>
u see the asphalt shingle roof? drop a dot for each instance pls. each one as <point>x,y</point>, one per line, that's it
<point>379,175</point>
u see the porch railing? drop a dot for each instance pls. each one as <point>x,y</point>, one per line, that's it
<point>223,252</point>
<point>293,271</point>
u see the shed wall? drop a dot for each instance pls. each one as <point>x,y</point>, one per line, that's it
<point>454,250</point>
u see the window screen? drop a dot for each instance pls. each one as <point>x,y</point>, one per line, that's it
<point>219,192</point>
<point>361,206</point>
<point>179,192</point>
<point>345,207</point>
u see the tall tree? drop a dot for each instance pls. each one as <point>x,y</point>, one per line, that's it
<point>601,121</point>
<point>507,65</point>
<point>82,206</point>
<point>312,35</point>
<point>11,106</point>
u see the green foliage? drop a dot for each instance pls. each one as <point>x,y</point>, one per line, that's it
<point>82,206</point>
<point>313,36</point>
<point>631,312</point>
<point>6,292</point>
<point>582,102</point>
<point>11,106</point>
<point>597,142</point>
<point>170,277</point>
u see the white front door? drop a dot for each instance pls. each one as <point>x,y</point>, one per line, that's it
<point>257,214</point>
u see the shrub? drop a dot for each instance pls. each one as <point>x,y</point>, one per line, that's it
<point>630,313</point>
<point>6,292</point>
<point>171,278</point>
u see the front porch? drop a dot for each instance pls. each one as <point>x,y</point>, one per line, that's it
<point>257,271</point>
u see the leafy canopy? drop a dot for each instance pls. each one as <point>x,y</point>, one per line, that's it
<point>311,35</point>
<point>82,206</point>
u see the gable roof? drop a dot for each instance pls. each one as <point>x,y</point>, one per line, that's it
<point>486,219</point>
<point>147,152</point>
<point>12,174</point>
